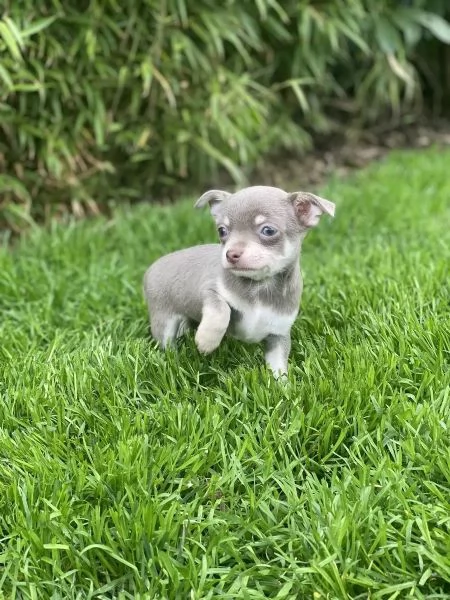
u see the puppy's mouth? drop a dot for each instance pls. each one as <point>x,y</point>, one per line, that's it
<point>256,274</point>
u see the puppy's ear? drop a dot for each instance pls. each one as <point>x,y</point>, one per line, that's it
<point>309,208</point>
<point>213,198</point>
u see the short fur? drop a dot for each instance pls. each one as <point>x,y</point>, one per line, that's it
<point>250,285</point>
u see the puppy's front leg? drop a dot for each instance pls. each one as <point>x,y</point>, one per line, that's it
<point>214,323</point>
<point>277,349</point>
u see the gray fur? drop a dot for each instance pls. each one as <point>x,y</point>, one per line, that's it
<point>250,285</point>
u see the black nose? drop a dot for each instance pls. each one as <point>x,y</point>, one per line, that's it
<point>233,255</point>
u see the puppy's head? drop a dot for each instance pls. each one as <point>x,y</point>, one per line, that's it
<point>261,228</point>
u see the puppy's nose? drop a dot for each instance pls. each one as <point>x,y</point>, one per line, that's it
<point>233,255</point>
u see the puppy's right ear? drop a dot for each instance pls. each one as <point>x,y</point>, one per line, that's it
<point>213,198</point>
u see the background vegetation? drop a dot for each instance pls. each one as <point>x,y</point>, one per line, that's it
<point>103,101</point>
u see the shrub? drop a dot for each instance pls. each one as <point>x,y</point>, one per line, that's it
<point>103,101</point>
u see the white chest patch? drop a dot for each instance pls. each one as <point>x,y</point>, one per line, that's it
<point>256,321</point>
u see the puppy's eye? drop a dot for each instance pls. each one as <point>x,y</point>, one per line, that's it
<point>268,231</point>
<point>222,231</point>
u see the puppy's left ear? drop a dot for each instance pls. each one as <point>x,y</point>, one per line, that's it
<point>309,208</point>
<point>213,198</point>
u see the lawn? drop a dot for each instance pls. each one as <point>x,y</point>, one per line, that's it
<point>129,473</point>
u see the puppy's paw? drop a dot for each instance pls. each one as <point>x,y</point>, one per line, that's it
<point>206,340</point>
<point>280,375</point>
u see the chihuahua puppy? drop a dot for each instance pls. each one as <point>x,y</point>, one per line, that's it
<point>249,286</point>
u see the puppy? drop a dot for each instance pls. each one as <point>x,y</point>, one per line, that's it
<point>249,286</point>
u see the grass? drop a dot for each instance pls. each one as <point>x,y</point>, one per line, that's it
<point>129,473</point>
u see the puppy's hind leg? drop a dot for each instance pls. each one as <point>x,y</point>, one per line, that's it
<point>166,328</point>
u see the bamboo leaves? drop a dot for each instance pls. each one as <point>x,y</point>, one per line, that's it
<point>169,92</point>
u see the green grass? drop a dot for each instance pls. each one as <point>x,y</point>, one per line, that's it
<point>129,473</point>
